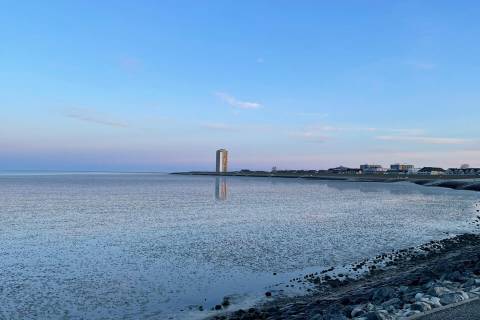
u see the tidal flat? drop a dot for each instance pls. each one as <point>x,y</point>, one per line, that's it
<point>105,246</point>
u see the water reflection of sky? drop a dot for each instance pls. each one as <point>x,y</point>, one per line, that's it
<point>149,245</point>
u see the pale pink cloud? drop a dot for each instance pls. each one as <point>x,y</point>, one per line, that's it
<point>93,116</point>
<point>425,140</point>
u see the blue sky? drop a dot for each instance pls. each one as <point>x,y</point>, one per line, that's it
<point>160,85</point>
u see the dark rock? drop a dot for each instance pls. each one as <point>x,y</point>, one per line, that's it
<point>268,294</point>
<point>395,302</point>
<point>360,300</point>
<point>218,307</point>
<point>421,306</point>
<point>418,280</point>
<point>455,276</point>
<point>347,311</point>
<point>376,315</point>
<point>225,302</point>
<point>383,294</point>
<point>335,283</point>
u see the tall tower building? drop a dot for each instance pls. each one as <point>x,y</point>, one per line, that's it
<point>222,160</point>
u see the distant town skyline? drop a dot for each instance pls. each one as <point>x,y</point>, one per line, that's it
<point>159,86</point>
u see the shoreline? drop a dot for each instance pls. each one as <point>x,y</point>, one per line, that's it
<point>397,285</point>
<point>457,182</point>
<point>401,284</point>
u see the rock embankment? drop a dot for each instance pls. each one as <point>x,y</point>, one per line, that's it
<point>459,184</point>
<point>396,285</point>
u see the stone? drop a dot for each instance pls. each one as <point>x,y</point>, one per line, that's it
<point>346,301</point>
<point>357,312</point>
<point>347,311</point>
<point>408,297</point>
<point>418,296</point>
<point>438,291</point>
<point>469,283</point>
<point>371,316</point>
<point>335,283</point>
<point>383,294</point>
<point>392,302</point>
<point>429,284</point>
<point>403,289</point>
<point>464,295</point>
<point>449,298</point>
<point>370,307</point>
<point>475,290</point>
<point>226,302</point>
<point>434,302</point>
<point>378,315</point>
<point>391,309</point>
<point>455,276</point>
<point>335,316</point>
<point>410,313</point>
<point>421,306</point>
<point>335,312</point>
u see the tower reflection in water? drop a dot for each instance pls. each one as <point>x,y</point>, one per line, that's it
<point>221,188</point>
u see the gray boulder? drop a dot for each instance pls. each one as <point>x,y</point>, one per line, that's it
<point>449,298</point>
<point>421,306</point>
<point>357,312</point>
<point>438,291</point>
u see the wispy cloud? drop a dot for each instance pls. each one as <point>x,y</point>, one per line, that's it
<point>93,116</point>
<point>425,140</point>
<point>310,136</point>
<point>234,102</point>
<point>406,132</point>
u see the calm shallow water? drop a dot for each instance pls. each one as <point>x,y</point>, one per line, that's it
<point>110,246</point>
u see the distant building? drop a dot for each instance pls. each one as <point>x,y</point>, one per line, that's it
<point>371,168</point>
<point>463,171</point>
<point>413,171</point>
<point>274,169</point>
<point>465,166</point>
<point>344,170</point>
<point>222,161</point>
<point>401,167</point>
<point>431,171</point>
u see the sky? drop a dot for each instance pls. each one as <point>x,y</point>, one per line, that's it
<point>160,85</point>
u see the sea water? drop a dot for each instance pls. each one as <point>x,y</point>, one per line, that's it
<point>158,246</point>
